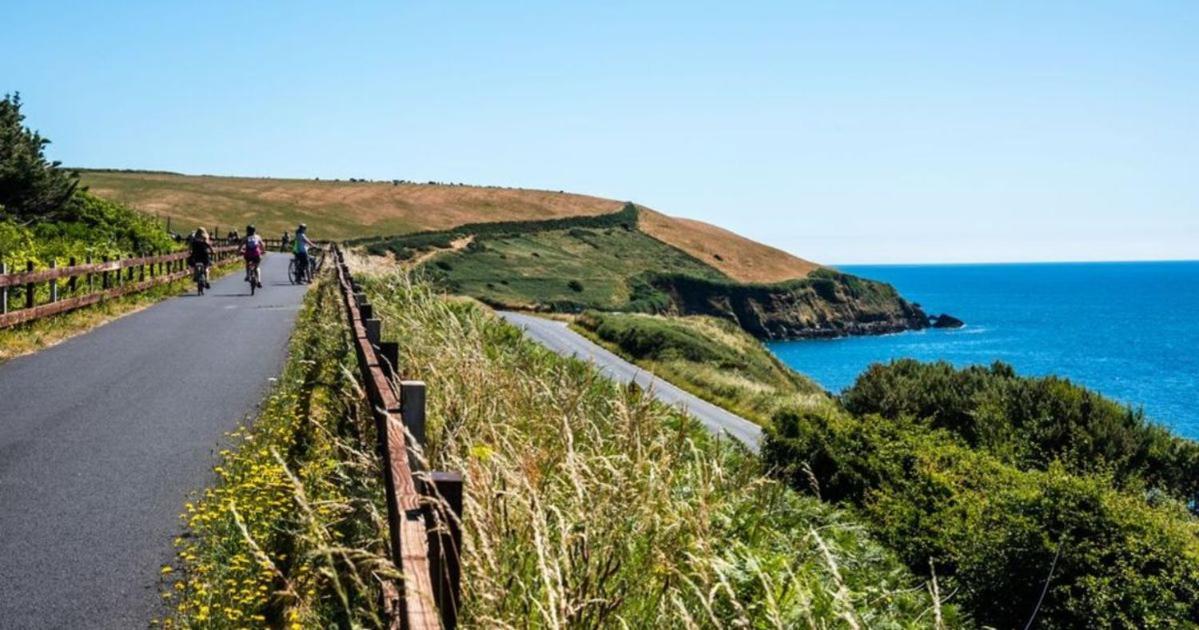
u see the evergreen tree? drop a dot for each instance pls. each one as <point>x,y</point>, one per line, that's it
<point>31,188</point>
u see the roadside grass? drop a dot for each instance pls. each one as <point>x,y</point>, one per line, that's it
<point>709,357</point>
<point>32,336</point>
<point>291,534</point>
<point>588,504</point>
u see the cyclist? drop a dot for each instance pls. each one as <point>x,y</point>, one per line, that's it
<point>300,249</point>
<point>201,253</point>
<point>252,249</point>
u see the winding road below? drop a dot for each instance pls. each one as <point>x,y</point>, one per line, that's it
<point>104,437</point>
<point>557,336</point>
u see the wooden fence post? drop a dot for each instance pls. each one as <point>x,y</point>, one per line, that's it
<point>29,288</point>
<point>104,274</point>
<point>443,520</point>
<point>374,330</point>
<point>141,271</point>
<point>412,412</point>
<point>389,354</point>
<point>3,290</point>
<point>73,282</point>
<point>88,260</point>
<point>53,282</point>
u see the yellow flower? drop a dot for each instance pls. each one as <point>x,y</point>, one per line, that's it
<point>166,569</point>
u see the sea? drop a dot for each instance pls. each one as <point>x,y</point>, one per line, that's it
<point>1129,330</point>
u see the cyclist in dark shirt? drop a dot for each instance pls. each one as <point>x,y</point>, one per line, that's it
<point>201,253</point>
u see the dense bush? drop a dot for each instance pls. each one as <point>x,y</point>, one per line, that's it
<point>996,533</point>
<point>87,226</point>
<point>1032,422</point>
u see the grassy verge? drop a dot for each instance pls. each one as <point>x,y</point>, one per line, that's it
<point>590,505</point>
<point>709,357</point>
<point>43,333</point>
<point>292,535</point>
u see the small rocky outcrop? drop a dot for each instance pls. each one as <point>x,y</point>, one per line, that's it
<point>945,320</point>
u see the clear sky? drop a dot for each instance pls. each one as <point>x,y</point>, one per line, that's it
<point>841,131</point>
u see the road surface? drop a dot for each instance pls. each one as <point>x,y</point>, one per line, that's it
<point>104,437</point>
<point>557,336</point>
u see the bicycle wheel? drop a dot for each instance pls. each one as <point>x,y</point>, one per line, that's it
<point>291,272</point>
<point>253,280</point>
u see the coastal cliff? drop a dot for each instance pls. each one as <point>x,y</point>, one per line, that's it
<point>825,304</point>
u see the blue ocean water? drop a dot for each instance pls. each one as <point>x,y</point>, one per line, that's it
<point>1128,330</point>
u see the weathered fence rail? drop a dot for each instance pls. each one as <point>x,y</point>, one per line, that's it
<point>424,508</point>
<point>87,283</point>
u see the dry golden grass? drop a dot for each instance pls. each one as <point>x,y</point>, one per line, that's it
<point>331,209</point>
<point>736,256</point>
<point>340,210</point>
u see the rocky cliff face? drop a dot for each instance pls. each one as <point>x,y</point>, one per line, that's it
<point>825,304</point>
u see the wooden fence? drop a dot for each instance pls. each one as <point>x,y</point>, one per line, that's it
<point>424,508</point>
<point>79,285</point>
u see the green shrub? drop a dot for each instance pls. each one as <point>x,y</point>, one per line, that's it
<point>1032,422</point>
<point>995,532</point>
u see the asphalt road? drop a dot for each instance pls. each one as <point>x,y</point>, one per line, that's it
<point>557,336</point>
<point>104,437</point>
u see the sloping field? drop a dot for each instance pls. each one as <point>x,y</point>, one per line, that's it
<point>342,210</point>
<point>736,256</point>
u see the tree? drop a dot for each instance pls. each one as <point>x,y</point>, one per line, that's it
<point>31,188</point>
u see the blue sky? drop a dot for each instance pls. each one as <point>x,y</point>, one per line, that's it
<point>841,131</point>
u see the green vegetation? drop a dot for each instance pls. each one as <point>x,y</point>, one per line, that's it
<point>293,533</point>
<point>1007,485</point>
<point>44,216</point>
<point>588,504</point>
<point>608,263</point>
<point>564,264</point>
<point>709,357</point>
<point>1032,422</point>
<point>31,187</point>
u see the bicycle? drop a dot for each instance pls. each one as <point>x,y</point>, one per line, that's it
<point>294,272</point>
<point>198,276</point>
<point>253,275</point>
<point>298,275</point>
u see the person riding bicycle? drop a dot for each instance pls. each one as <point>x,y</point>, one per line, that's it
<point>201,253</point>
<point>300,249</point>
<point>252,249</point>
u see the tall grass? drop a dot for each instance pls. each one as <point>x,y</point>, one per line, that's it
<point>590,505</point>
<point>292,534</point>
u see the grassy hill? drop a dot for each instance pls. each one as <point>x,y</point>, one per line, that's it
<point>611,263</point>
<point>344,210</point>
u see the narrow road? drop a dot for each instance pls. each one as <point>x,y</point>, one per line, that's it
<point>105,436</point>
<point>557,336</point>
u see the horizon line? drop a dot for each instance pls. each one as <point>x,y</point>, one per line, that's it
<point>1123,261</point>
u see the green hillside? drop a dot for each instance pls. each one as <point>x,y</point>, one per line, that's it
<point>608,263</point>
<point>712,358</point>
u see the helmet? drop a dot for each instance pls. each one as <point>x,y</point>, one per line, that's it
<point>249,230</point>
<point>303,226</point>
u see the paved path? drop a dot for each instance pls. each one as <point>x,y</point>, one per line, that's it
<point>103,437</point>
<point>557,336</point>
